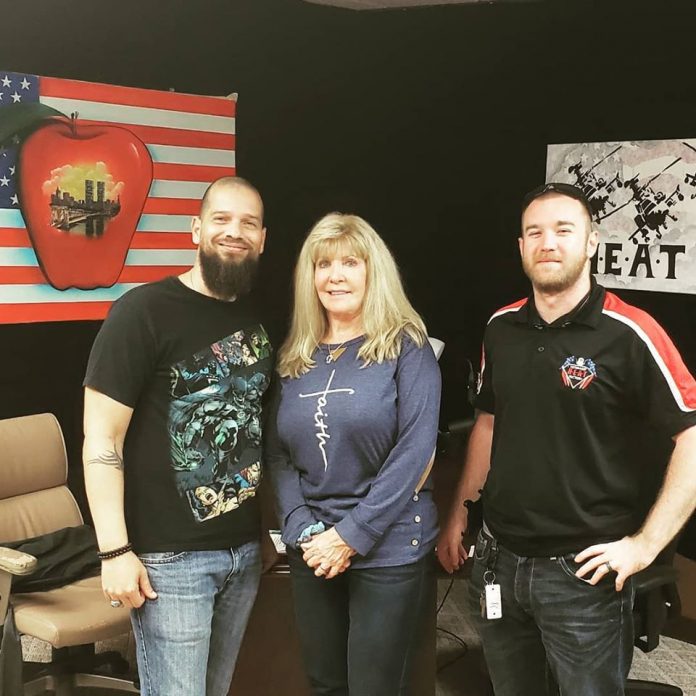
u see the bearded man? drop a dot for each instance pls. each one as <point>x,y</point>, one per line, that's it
<point>160,411</point>
<point>569,376</point>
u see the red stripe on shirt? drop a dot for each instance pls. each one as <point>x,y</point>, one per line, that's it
<point>513,307</point>
<point>483,365</point>
<point>508,308</point>
<point>133,96</point>
<point>662,343</point>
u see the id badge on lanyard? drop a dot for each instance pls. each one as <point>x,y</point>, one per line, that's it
<point>490,599</point>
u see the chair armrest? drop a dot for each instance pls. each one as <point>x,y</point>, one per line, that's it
<point>657,600</point>
<point>654,576</point>
<point>461,427</point>
<point>15,562</point>
<point>11,563</point>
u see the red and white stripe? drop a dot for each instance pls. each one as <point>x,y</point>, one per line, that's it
<point>192,142</point>
<point>679,380</point>
<point>514,307</point>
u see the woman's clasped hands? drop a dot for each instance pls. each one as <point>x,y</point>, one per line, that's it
<point>327,554</point>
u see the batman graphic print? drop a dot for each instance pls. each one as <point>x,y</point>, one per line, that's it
<point>215,422</point>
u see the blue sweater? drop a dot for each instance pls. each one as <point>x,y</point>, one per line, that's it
<point>347,445</point>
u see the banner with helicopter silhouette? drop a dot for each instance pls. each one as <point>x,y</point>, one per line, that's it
<point>643,198</point>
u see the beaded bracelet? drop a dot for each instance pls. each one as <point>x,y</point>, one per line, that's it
<point>106,555</point>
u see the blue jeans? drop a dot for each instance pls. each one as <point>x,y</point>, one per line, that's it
<point>558,634</point>
<point>188,638</point>
<point>359,631</point>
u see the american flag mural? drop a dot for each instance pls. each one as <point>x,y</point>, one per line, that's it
<point>93,205</point>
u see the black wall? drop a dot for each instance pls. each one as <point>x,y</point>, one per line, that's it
<point>431,123</point>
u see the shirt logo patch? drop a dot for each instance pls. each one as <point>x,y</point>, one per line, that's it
<point>577,373</point>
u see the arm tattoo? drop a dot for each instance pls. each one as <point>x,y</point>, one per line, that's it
<point>109,458</point>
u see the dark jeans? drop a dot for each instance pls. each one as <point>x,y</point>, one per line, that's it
<point>359,631</point>
<point>558,634</point>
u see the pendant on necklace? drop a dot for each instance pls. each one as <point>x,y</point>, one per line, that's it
<point>333,356</point>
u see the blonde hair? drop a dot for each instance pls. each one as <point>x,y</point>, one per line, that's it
<point>386,311</point>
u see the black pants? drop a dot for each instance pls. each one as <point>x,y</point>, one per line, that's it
<point>359,631</point>
<point>558,634</point>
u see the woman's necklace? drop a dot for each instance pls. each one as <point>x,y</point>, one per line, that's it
<point>335,354</point>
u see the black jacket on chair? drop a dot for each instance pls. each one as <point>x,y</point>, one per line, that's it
<point>63,556</point>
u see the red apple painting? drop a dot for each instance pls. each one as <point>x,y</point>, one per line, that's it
<point>98,184</point>
<point>82,190</point>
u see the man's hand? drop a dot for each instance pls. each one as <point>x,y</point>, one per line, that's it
<point>327,554</point>
<point>125,578</point>
<point>269,553</point>
<point>624,557</point>
<point>450,547</point>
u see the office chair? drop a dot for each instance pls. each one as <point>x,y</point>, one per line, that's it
<point>35,500</point>
<point>657,600</point>
<point>437,345</point>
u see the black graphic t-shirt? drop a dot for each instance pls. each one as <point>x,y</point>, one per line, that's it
<point>194,369</point>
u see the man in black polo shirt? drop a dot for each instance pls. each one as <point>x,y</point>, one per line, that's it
<point>568,376</point>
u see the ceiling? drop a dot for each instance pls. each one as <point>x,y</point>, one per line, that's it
<point>400,4</point>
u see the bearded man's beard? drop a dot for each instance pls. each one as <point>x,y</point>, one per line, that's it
<point>227,279</point>
<point>559,281</point>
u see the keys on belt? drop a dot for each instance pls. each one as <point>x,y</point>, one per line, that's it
<point>490,598</point>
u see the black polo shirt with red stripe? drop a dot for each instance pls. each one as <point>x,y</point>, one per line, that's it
<point>568,399</point>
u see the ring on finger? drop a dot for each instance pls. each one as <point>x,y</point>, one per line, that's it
<point>116,603</point>
<point>608,566</point>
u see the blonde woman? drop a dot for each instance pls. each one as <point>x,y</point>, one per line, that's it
<point>355,428</point>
